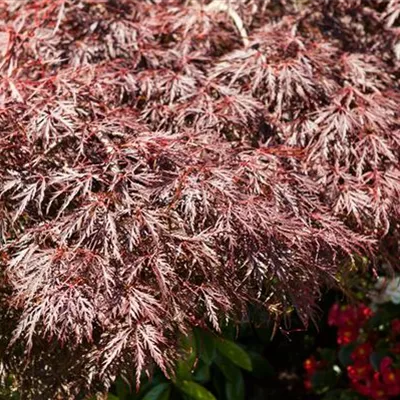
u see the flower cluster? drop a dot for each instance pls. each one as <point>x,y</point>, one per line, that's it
<point>349,319</point>
<point>379,385</point>
<point>368,351</point>
<point>311,365</point>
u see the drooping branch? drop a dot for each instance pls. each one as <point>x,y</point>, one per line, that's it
<point>156,172</point>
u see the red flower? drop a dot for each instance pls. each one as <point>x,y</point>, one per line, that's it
<point>371,388</point>
<point>361,352</point>
<point>334,315</point>
<point>364,313</point>
<point>362,388</point>
<point>379,385</point>
<point>310,365</point>
<point>307,384</point>
<point>348,315</point>
<point>360,371</point>
<point>349,319</point>
<point>347,335</point>
<point>378,392</point>
<point>386,364</point>
<point>395,349</point>
<point>396,327</point>
<point>390,376</point>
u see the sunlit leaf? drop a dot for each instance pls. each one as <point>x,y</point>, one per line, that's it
<point>235,353</point>
<point>195,391</point>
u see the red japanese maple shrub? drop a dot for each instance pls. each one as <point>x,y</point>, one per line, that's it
<point>165,163</point>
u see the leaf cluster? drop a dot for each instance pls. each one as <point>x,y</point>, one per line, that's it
<point>165,164</point>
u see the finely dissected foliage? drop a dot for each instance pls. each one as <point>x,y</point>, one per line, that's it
<point>167,163</point>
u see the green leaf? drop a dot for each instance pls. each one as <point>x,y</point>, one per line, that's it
<point>350,395</point>
<point>228,369</point>
<point>344,354</point>
<point>264,333</point>
<point>343,394</point>
<point>183,370</point>
<point>122,389</point>
<point>328,355</point>
<point>392,311</point>
<point>218,382</point>
<point>147,385</point>
<point>195,391</point>
<point>261,366</point>
<point>206,346</point>
<point>166,394</point>
<point>111,397</point>
<point>322,381</point>
<point>230,331</point>
<point>235,390</point>
<point>377,319</point>
<point>202,372</point>
<point>157,392</point>
<point>376,357</point>
<point>188,345</point>
<point>333,394</point>
<point>246,331</point>
<point>234,353</point>
<point>185,365</point>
